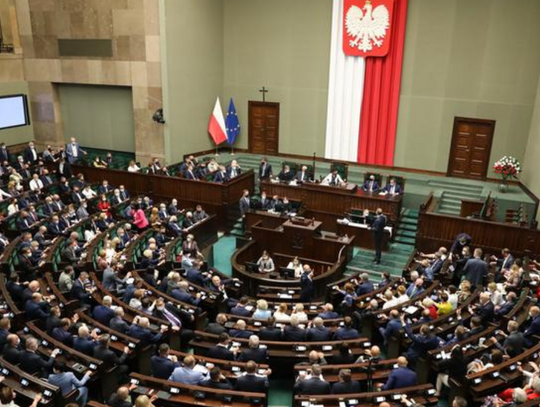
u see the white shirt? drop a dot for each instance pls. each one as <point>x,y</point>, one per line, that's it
<point>133,168</point>
<point>329,177</point>
<point>36,184</point>
<point>88,193</point>
<point>12,209</point>
<point>74,150</point>
<point>281,316</point>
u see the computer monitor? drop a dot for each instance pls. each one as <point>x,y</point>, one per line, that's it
<point>252,267</point>
<point>286,272</point>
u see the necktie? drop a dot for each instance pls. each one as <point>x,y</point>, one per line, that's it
<point>171,318</point>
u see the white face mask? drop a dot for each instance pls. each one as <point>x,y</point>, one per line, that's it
<point>160,308</point>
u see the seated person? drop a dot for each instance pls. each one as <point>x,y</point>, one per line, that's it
<point>217,380</point>
<point>187,374</point>
<point>400,377</point>
<point>371,185</point>
<point>254,352</point>
<point>303,175</point>
<point>333,178</point>
<point>312,384</point>
<point>392,188</point>
<point>296,265</point>
<point>345,384</point>
<point>286,175</point>
<point>265,263</point>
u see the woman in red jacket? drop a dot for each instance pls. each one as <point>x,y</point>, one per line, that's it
<point>104,206</point>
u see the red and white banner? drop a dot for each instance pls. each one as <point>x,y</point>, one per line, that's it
<point>216,126</point>
<point>367,25</point>
<point>363,92</point>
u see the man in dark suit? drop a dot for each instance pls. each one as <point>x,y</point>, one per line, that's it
<point>365,286</point>
<point>345,384</point>
<point>421,343</point>
<point>12,350</point>
<point>141,331</point>
<point>462,240</point>
<point>4,153</point>
<point>534,326</point>
<point>36,308</point>
<point>121,398</point>
<point>217,327</point>
<point>245,203</point>
<point>79,290</point>
<point>32,363</point>
<point>432,271</point>
<point>504,263</point>
<point>292,332</point>
<point>239,330</point>
<point>270,332</point>
<point>400,377</point>
<point>251,382</point>
<point>118,323</point>
<point>314,384</point>
<point>254,352</point>
<point>371,185</point>
<point>30,153</point>
<point>181,293</point>
<point>476,269</point>
<point>265,170</point>
<point>392,188</point>
<point>318,333</point>
<point>511,300</point>
<point>233,170</point>
<point>378,230</point>
<point>110,359</point>
<point>240,308</point>
<point>217,380</point>
<point>163,364</point>
<point>221,175</point>
<point>85,342</point>
<point>103,313</point>
<point>303,175</point>
<point>264,202</point>
<point>392,326</point>
<point>221,350</point>
<point>514,341</point>
<point>307,287</point>
<point>346,331</point>
<point>485,309</point>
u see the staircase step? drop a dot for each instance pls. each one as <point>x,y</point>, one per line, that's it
<point>455,185</point>
<point>406,233</point>
<point>407,227</point>
<point>405,240</point>
<point>448,212</point>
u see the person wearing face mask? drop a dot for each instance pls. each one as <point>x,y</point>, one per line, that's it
<point>392,188</point>
<point>124,194</point>
<point>104,206</point>
<point>245,203</point>
<point>82,212</point>
<point>73,151</point>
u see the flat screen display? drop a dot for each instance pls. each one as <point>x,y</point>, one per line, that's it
<point>13,111</point>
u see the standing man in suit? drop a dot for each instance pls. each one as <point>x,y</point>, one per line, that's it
<point>4,153</point>
<point>476,269</point>
<point>30,153</point>
<point>371,185</point>
<point>265,170</point>
<point>303,175</point>
<point>400,377</point>
<point>245,203</point>
<point>378,230</point>
<point>307,287</point>
<point>74,151</point>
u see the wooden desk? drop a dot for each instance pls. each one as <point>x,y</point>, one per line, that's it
<point>364,236</point>
<point>221,199</point>
<point>325,203</point>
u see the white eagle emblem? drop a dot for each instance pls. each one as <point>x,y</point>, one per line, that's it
<point>369,28</point>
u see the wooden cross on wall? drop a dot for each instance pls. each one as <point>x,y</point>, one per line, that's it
<point>263,91</point>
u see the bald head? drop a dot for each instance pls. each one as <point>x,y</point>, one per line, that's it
<point>402,361</point>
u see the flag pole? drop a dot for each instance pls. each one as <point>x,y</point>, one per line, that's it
<point>232,149</point>
<point>217,151</point>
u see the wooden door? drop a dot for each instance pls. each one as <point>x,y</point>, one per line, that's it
<point>471,148</point>
<point>263,128</point>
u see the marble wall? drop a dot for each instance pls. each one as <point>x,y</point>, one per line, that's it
<point>133,27</point>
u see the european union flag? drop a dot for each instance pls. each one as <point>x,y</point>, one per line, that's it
<point>232,124</point>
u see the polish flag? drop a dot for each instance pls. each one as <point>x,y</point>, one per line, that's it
<point>216,126</point>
